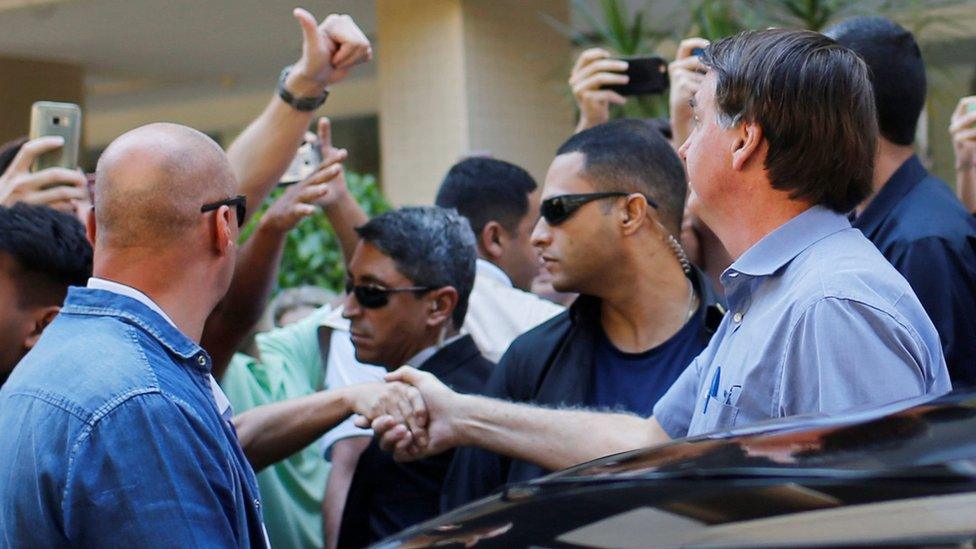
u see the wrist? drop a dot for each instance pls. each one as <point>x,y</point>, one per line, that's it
<point>300,85</point>
<point>464,420</point>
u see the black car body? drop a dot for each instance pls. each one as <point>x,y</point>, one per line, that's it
<point>901,475</point>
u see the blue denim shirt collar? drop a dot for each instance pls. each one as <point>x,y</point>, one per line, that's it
<point>898,185</point>
<point>779,247</point>
<point>88,301</point>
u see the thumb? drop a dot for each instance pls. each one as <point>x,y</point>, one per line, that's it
<point>310,29</point>
<point>325,134</point>
<point>405,374</point>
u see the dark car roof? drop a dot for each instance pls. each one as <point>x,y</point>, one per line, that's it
<point>904,474</point>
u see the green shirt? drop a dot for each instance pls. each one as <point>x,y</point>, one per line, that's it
<point>290,366</point>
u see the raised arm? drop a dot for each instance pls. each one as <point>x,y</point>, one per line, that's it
<point>550,438</point>
<point>263,151</point>
<point>686,73</point>
<point>594,69</point>
<point>258,262</point>
<point>340,206</point>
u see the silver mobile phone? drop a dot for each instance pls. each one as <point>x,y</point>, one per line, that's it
<point>64,119</point>
<point>306,161</point>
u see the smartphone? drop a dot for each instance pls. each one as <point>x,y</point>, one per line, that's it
<point>306,161</point>
<point>648,76</point>
<point>64,119</point>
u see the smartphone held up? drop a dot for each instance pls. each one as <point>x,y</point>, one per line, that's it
<point>58,119</point>
<point>647,75</point>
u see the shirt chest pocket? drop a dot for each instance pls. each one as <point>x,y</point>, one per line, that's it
<point>717,415</point>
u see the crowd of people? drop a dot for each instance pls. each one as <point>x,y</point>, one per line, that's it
<point>776,248</point>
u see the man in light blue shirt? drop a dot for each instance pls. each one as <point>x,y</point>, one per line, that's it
<point>819,322</point>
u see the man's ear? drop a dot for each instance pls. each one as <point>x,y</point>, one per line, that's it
<point>443,301</point>
<point>747,145</point>
<point>223,235</point>
<point>491,239</point>
<point>634,213</point>
<point>90,228</point>
<point>42,317</point>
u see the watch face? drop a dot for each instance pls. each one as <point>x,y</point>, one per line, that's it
<point>299,103</point>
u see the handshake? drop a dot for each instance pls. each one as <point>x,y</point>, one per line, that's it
<point>414,415</point>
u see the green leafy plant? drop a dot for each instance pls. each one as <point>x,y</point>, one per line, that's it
<point>312,255</point>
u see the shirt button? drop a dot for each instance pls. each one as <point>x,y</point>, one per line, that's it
<point>257,504</point>
<point>737,318</point>
<point>201,360</point>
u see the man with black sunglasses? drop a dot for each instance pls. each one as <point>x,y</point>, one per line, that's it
<point>407,295</point>
<point>611,208</point>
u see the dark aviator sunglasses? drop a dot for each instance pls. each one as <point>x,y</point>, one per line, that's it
<point>558,209</point>
<point>371,296</point>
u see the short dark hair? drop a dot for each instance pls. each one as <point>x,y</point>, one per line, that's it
<point>49,250</point>
<point>632,156</point>
<point>486,189</point>
<point>896,69</point>
<point>813,100</point>
<point>431,246</point>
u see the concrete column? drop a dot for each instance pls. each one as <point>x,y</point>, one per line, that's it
<point>26,81</point>
<point>468,76</point>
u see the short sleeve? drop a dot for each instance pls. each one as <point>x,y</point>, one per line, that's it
<point>343,370</point>
<point>148,473</point>
<point>297,345</point>
<point>674,410</point>
<point>843,354</point>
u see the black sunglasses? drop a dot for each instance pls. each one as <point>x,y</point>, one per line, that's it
<point>373,297</point>
<point>558,209</point>
<point>239,201</point>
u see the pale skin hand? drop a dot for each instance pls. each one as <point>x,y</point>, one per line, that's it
<point>263,151</point>
<point>594,69</point>
<point>553,439</point>
<point>58,188</point>
<point>962,128</point>
<point>340,206</point>
<point>686,74</point>
<point>298,201</point>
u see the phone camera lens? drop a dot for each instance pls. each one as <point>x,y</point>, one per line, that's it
<point>56,120</point>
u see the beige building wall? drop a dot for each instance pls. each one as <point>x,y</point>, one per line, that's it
<point>27,81</point>
<point>468,76</point>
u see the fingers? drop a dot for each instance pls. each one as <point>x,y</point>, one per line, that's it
<point>963,122</point>
<point>966,135</point>
<point>310,30</point>
<point>416,415</point>
<point>963,105</point>
<point>62,196</point>
<point>689,45</point>
<point>603,65</point>
<point>598,81</point>
<point>689,64</point>
<point>390,432</point>
<point>325,134</point>
<point>353,46</point>
<point>54,176</point>
<point>325,173</point>
<point>32,149</point>
<point>590,56</point>
<point>406,374</point>
<point>604,96</point>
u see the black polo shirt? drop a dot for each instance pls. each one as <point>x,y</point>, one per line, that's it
<point>385,496</point>
<point>925,232</point>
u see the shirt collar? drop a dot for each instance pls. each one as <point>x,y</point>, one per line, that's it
<point>99,301</point>
<point>898,185</point>
<point>128,291</point>
<point>779,247</point>
<point>490,270</point>
<point>420,358</point>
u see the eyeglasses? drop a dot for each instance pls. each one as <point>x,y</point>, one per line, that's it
<point>239,201</point>
<point>371,296</point>
<point>558,209</point>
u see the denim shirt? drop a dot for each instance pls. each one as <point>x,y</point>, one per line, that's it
<point>818,323</point>
<point>110,436</point>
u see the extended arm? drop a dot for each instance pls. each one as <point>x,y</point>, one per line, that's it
<point>273,432</point>
<point>550,438</point>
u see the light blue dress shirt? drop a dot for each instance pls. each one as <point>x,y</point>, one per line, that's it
<point>818,323</point>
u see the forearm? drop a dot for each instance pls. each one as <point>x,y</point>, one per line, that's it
<point>345,457</point>
<point>248,296</point>
<point>273,432</point>
<point>966,187</point>
<point>262,152</point>
<point>345,215</point>
<point>553,439</point>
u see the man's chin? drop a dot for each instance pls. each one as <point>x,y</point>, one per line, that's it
<point>371,359</point>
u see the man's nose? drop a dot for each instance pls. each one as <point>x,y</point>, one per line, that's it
<point>540,234</point>
<point>350,306</point>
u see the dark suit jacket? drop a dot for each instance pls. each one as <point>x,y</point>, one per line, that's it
<point>385,496</point>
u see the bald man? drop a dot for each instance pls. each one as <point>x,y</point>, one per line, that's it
<point>112,431</point>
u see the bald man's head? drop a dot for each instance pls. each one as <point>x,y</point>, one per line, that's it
<point>152,181</point>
